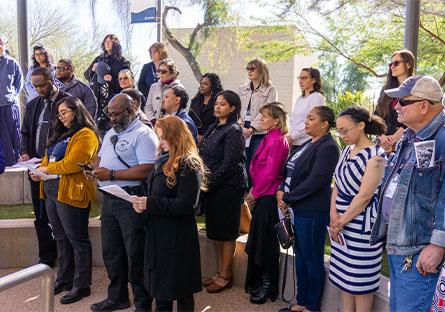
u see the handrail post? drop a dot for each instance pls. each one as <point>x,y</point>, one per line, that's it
<point>25,275</point>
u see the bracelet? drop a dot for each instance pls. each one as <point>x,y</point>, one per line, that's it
<point>112,175</point>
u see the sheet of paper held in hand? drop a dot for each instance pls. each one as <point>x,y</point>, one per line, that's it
<point>342,242</point>
<point>117,191</point>
<point>42,175</point>
<point>33,163</point>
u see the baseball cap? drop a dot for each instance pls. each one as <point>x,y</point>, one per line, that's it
<point>424,87</point>
<point>102,69</point>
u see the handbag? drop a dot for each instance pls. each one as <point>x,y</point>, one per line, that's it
<point>285,231</point>
<point>246,218</point>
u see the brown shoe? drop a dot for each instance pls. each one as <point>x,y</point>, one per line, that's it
<point>207,281</point>
<point>220,284</point>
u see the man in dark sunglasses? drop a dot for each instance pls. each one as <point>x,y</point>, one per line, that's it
<point>66,81</point>
<point>411,207</point>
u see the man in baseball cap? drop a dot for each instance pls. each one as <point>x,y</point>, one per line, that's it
<point>411,207</point>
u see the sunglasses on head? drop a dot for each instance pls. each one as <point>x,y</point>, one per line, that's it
<point>395,63</point>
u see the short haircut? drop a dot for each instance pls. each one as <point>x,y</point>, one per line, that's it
<point>134,94</point>
<point>172,68</point>
<point>66,61</point>
<point>277,111</point>
<point>182,93</point>
<point>42,71</point>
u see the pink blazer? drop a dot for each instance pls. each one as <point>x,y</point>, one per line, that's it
<point>266,167</point>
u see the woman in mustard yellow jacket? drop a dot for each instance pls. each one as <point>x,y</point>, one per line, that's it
<point>68,195</point>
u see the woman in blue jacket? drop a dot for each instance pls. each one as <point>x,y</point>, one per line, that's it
<point>307,190</point>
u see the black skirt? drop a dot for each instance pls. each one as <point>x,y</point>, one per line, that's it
<point>222,213</point>
<point>262,246</point>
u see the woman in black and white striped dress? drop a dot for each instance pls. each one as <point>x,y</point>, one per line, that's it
<point>356,272</point>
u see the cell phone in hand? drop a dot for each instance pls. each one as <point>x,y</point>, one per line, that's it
<point>87,167</point>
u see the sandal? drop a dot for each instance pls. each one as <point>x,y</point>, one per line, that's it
<point>207,281</point>
<point>293,308</point>
<point>220,284</point>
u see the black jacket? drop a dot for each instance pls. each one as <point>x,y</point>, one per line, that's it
<point>31,122</point>
<point>202,114</point>
<point>172,266</point>
<point>222,150</point>
<point>310,186</point>
<point>116,65</point>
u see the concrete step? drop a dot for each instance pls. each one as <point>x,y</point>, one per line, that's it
<point>18,248</point>
<point>14,187</point>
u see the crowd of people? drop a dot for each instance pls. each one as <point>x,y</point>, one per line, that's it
<point>384,189</point>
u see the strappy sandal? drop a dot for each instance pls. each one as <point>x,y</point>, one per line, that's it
<point>220,284</point>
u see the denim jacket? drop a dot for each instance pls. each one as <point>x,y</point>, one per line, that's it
<point>418,215</point>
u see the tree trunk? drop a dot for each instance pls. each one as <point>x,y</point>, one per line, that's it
<point>189,57</point>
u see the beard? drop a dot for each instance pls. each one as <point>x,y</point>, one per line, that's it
<point>123,124</point>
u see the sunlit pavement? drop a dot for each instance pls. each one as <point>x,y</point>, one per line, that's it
<point>27,298</point>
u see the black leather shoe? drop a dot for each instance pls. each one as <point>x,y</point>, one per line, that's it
<point>75,295</point>
<point>109,305</point>
<point>59,287</point>
<point>265,291</point>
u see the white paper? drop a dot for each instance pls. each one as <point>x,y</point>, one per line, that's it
<point>425,153</point>
<point>248,141</point>
<point>117,191</point>
<point>28,164</point>
<point>43,176</point>
<point>342,245</point>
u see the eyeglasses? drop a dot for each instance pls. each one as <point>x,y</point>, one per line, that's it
<point>250,69</point>
<point>113,115</point>
<point>303,77</point>
<point>395,63</point>
<point>404,102</point>
<point>123,78</point>
<point>62,114</point>
<point>62,68</point>
<point>342,132</point>
<point>162,71</point>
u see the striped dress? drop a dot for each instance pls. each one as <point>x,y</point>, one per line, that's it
<point>358,270</point>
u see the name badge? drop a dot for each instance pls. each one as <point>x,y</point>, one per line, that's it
<point>391,188</point>
<point>52,158</point>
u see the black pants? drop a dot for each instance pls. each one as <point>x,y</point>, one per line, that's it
<point>185,304</point>
<point>70,227</point>
<point>123,240</point>
<point>45,238</point>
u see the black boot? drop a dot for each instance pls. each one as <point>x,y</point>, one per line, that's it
<point>266,290</point>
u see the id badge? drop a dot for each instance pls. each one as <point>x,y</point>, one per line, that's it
<point>247,120</point>
<point>52,158</point>
<point>392,186</point>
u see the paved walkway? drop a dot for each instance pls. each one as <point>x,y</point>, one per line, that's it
<point>26,298</point>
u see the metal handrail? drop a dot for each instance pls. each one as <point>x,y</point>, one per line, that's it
<point>25,275</point>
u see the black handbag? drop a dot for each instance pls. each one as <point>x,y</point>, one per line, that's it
<point>285,231</point>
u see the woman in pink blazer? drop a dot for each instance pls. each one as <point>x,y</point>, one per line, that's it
<point>266,171</point>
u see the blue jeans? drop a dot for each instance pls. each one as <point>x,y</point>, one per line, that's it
<point>410,291</point>
<point>310,233</point>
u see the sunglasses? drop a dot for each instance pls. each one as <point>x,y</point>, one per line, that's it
<point>62,68</point>
<point>162,71</point>
<point>250,69</point>
<point>395,63</point>
<point>123,78</point>
<point>404,102</point>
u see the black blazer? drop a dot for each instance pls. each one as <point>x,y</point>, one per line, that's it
<point>172,267</point>
<point>202,114</point>
<point>310,186</point>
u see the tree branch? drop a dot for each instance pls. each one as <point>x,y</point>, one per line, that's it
<point>178,46</point>
<point>429,32</point>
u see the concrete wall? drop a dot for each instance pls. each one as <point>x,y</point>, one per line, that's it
<point>222,54</point>
<point>18,248</point>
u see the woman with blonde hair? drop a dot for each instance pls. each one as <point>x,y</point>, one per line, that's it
<point>266,172</point>
<point>126,81</point>
<point>257,92</point>
<point>158,51</point>
<point>172,269</point>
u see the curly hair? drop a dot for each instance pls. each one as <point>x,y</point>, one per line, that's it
<point>215,85</point>
<point>45,52</point>
<point>183,150</point>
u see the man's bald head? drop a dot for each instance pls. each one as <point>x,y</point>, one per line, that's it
<point>121,101</point>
